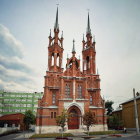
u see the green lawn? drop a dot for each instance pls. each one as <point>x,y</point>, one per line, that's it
<point>51,135</point>
<point>104,132</point>
<point>54,135</point>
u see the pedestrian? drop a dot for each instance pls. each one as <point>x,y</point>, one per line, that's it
<point>124,130</point>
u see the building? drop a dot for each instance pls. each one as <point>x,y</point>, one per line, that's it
<point>12,120</point>
<point>18,102</point>
<point>118,113</point>
<point>72,89</point>
<point>128,113</point>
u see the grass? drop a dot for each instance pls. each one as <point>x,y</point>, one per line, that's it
<point>51,135</point>
<point>54,135</point>
<point>104,132</point>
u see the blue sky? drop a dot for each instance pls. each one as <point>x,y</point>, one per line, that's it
<point>24,31</point>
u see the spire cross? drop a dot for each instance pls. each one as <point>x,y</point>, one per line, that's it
<point>57,4</point>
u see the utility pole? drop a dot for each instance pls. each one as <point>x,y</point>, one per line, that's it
<point>136,113</point>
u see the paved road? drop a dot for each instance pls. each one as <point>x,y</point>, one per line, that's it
<point>9,137</point>
<point>25,135</point>
<point>17,136</point>
<point>134,137</point>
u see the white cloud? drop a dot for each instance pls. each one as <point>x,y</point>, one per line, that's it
<point>14,63</point>
<point>14,73</point>
<point>9,45</point>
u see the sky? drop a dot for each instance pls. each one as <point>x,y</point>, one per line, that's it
<point>24,31</point>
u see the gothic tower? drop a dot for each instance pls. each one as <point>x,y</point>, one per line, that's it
<point>55,49</point>
<point>88,52</point>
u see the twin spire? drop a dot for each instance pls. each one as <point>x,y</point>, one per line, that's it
<point>56,25</point>
<point>88,30</point>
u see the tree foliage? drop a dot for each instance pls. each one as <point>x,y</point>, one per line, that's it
<point>29,118</point>
<point>108,106</point>
<point>62,119</point>
<point>114,122</point>
<point>88,119</point>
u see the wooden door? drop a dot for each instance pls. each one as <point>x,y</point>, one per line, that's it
<point>73,122</point>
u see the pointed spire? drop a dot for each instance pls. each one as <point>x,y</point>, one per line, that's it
<point>62,35</point>
<point>88,26</point>
<point>93,38</point>
<point>50,32</point>
<point>97,72</point>
<point>56,25</point>
<point>83,37</point>
<point>73,49</point>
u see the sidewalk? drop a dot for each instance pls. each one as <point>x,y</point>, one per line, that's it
<point>82,136</point>
<point>77,136</point>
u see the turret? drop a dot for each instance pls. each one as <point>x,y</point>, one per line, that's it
<point>88,52</point>
<point>55,48</point>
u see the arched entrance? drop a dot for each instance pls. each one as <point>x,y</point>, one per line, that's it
<point>74,117</point>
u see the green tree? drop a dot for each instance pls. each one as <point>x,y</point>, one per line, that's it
<point>62,119</point>
<point>88,120</point>
<point>114,122</point>
<point>29,118</point>
<point>108,106</point>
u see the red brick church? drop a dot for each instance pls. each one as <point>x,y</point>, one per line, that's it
<point>70,88</point>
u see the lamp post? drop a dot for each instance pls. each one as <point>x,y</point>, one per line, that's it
<point>136,113</point>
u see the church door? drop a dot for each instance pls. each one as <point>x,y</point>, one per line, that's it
<point>73,122</point>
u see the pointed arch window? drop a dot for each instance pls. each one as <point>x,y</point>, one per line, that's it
<point>58,57</point>
<point>67,91</point>
<point>91,100</point>
<point>84,65</point>
<point>54,99</point>
<point>52,59</point>
<point>87,62</point>
<point>79,90</point>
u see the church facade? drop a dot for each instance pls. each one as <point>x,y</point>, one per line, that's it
<point>71,89</point>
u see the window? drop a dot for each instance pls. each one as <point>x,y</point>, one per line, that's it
<point>87,62</point>
<point>54,98</point>
<point>67,91</point>
<point>57,62</point>
<point>35,105</point>
<point>54,114</point>
<point>91,100</point>
<point>12,95</point>
<point>51,114</point>
<point>52,63</point>
<point>79,90</point>
<point>7,100</point>
<point>29,105</point>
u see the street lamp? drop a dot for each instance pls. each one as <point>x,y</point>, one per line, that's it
<point>136,111</point>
